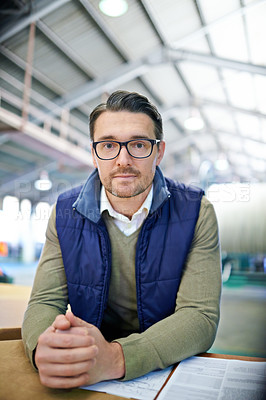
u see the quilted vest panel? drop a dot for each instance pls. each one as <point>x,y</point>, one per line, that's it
<point>163,245</point>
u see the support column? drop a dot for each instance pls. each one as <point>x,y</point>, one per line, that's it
<point>28,75</point>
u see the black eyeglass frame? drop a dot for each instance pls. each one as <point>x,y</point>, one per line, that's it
<point>152,142</point>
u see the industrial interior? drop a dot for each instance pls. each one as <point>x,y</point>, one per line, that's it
<point>202,63</point>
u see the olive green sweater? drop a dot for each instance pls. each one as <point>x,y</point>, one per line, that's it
<point>189,331</point>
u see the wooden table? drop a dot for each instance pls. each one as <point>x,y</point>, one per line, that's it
<point>19,381</point>
<point>13,303</point>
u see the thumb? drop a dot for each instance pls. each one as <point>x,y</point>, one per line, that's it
<point>75,321</point>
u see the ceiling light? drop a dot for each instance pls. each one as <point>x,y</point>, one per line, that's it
<point>194,122</point>
<point>221,164</point>
<point>44,182</point>
<point>113,8</point>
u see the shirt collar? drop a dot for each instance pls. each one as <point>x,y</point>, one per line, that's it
<point>106,205</point>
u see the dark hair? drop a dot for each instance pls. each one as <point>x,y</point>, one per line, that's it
<point>122,100</point>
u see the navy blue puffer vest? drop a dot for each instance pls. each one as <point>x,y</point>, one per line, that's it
<point>162,248</point>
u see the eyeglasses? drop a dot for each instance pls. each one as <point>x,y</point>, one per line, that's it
<point>138,148</point>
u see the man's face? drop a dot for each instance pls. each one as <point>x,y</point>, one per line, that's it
<point>125,176</point>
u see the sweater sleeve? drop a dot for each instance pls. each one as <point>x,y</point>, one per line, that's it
<point>192,328</point>
<point>49,296</point>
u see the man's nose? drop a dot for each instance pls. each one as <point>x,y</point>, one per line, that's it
<point>124,158</point>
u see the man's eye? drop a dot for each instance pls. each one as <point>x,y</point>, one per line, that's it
<point>109,146</point>
<point>138,145</point>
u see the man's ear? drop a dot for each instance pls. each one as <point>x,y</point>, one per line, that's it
<point>93,157</point>
<point>160,152</point>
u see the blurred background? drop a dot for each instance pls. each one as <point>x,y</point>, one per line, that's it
<point>202,63</point>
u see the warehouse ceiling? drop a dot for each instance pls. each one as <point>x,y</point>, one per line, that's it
<point>193,58</point>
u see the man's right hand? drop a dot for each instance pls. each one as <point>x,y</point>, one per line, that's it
<point>64,360</point>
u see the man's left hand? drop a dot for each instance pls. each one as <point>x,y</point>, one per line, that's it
<point>110,363</point>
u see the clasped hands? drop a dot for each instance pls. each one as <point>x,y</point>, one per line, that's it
<point>72,353</point>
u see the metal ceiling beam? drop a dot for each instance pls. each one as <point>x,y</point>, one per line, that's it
<point>171,111</point>
<point>176,55</point>
<point>19,153</point>
<point>62,46</point>
<point>232,108</point>
<point>37,75</point>
<point>89,91</point>
<point>51,143</point>
<point>108,33</point>
<point>181,144</point>
<point>43,79</point>
<point>134,69</point>
<point>207,28</point>
<point>42,8</point>
<point>160,35</point>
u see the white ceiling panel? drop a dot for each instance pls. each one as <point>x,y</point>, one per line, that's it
<point>229,40</point>
<point>219,118</point>
<point>258,165</point>
<point>260,92</point>
<point>231,143</point>
<point>48,62</point>
<point>166,83</point>
<point>257,32</point>
<point>263,130</point>
<point>19,45</point>
<point>203,80</point>
<point>137,41</point>
<point>205,142</point>
<point>175,18</point>
<point>76,29</point>
<point>197,44</point>
<point>258,150</point>
<point>240,88</point>
<point>248,125</point>
<point>215,9</point>
<point>170,133</point>
<point>237,158</point>
<point>136,85</point>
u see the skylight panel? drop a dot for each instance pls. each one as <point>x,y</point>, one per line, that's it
<point>260,92</point>
<point>216,9</point>
<point>257,32</point>
<point>203,80</point>
<point>165,81</point>
<point>231,143</point>
<point>219,118</point>
<point>229,39</point>
<point>257,150</point>
<point>249,125</point>
<point>175,18</point>
<point>240,88</point>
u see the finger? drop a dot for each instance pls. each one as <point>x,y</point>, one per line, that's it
<point>56,340</point>
<point>64,382</point>
<point>66,356</point>
<point>61,322</point>
<point>75,321</point>
<point>74,330</point>
<point>67,370</point>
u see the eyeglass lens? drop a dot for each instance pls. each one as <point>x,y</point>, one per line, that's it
<point>136,148</point>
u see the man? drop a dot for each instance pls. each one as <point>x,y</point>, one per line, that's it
<point>135,255</point>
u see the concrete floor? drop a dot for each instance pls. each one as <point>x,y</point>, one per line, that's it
<point>242,328</point>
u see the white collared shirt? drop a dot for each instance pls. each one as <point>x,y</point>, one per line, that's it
<point>126,225</point>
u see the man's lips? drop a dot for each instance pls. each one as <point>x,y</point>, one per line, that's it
<point>124,176</point>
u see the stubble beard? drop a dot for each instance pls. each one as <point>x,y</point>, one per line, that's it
<point>127,190</point>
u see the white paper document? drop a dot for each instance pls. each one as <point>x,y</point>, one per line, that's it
<point>203,378</point>
<point>144,388</point>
